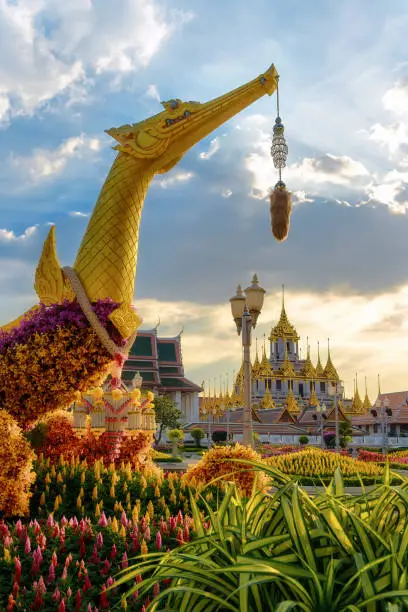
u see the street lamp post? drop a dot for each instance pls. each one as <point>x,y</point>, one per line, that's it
<point>385,413</point>
<point>333,392</point>
<point>246,307</point>
<point>209,412</point>
<point>321,409</point>
<point>229,410</point>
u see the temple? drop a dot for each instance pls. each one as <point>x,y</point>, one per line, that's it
<point>285,380</point>
<point>286,391</point>
<point>160,364</point>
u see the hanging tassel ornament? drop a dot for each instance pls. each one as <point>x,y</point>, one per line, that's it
<point>280,198</point>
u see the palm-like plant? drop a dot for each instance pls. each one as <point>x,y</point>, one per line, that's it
<point>286,550</point>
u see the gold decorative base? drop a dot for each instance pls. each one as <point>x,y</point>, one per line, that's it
<point>126,320</point>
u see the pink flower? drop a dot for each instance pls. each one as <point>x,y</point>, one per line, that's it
<point>27,547</point>
<point>56,594</point>
<point>54,559</point>
<point>61,607</point>
<point>78,601</point>
<point>87,584</point>
<point>156,589</point>
<point>147,533</point>
<point>51,573</point>
<point>19,527</point>
<point>64,573</point>
<point>103,520</point>
<point>109,581</point>
<point>159,541</point>
<point>69,592</point>
<point>64,521</point>
<point>50,521</point>
<point>180,519</point>
<point>125,562</point>
<point>17,569</point>
<point>41,588</point>
<point>106,568</point>
<point>99,540</point>
<point>124,519</point>
<point>113,551</point>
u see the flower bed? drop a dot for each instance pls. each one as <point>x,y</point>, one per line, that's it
<point>70,564</point>
<point>72,486</point>
<point>315,463</point>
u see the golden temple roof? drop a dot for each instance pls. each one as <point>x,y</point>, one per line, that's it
<point>330,371</point>
<point>256,365</point>
<point>283,329</point>
<point>286,369</point>
<point>319,367</point>
<point>357,404</point>
<point>313,401</point>
<point>367,403</point>
<point>265,369</point>
<point>308,370</point>
<point>267,401</point>
<point>291,403</point>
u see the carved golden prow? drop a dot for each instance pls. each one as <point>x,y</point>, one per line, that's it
<point>106,261</point>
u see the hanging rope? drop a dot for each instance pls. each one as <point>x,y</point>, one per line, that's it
<point>280,198</point>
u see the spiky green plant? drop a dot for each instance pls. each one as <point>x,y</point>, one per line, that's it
<point>287,550</point>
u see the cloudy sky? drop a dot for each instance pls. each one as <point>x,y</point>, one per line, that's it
<point>70,70</point>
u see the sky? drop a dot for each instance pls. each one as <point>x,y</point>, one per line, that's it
<point>70,70</point>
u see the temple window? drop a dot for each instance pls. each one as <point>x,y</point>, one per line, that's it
<point>322,387</point>
<point>279,385</point>
<point>268,383</point>
<point>301,392</point>
<point>288,347</point>
<point>311,387</point>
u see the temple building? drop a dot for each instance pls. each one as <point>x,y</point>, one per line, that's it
<point>284,380</point>
<point>159,362</point>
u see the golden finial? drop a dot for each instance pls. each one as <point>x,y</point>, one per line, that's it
<point>330,371</point>
<point>319,367</point>
<point>366,403</point>
<point>379,386</point>
<point>313,401</point>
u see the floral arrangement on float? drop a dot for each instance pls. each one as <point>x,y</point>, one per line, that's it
<point>116,412</point>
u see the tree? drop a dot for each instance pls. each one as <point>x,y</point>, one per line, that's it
<point>197,434</point>
<point>168,416</point>
<point>303,440</point>
<point>175,436</point>
<point>345,431</point>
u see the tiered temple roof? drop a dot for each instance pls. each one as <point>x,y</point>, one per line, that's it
<point>159,362</point>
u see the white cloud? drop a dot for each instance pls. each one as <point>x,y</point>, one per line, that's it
<point>396,98</point>
<point>8,236</point>
<point>173,179</point>
<point>86,39</point>
<point>44,163</point>
<point>212,149</point>
<point>317,175</point>
<point>226,193</point>
<point>391,136</point>
<point>153,92</point>
<point>77,213</point>
<point>391,191</point>
<point>368,335</point>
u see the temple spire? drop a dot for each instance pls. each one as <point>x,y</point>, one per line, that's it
<point>366,403</point>
<point>330,371</point>
<point>284,328</point>
<point>319,367</point>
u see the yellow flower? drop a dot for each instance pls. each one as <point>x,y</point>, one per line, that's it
<point>122,532</point>
<point>143,548</point>
<point>114,525</point>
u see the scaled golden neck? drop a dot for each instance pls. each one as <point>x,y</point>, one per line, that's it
<point>107,257</point>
